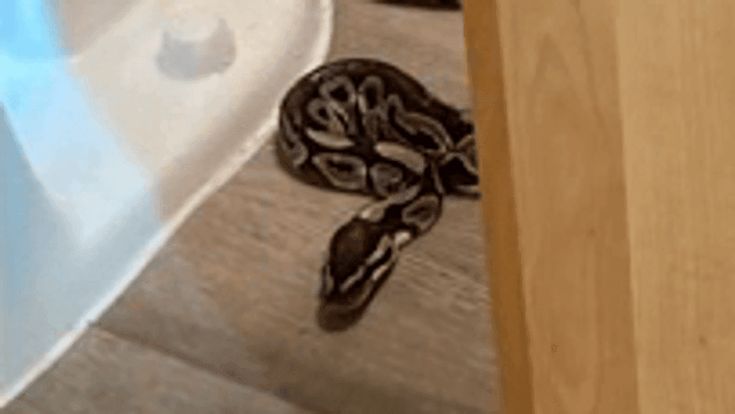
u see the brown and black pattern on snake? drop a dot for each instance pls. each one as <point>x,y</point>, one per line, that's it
<point>362,125</point>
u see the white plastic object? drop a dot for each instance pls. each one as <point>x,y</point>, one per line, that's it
<point>118,118</point>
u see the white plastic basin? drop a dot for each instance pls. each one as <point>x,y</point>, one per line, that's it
<point>117,118</point>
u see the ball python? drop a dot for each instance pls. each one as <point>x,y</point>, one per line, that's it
<point>365,126</point>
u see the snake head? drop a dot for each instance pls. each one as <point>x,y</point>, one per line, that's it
<point>361,255</point>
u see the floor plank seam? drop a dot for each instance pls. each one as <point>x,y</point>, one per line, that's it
<point>189,362</point>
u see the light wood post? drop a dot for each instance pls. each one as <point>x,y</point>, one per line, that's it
<point>607,149</point>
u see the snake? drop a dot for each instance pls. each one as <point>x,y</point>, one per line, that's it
<point>364,126</point>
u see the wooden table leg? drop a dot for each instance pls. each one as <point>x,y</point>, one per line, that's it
<point>607,142</point>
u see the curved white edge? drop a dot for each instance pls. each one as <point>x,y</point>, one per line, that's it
<point>219,179</point>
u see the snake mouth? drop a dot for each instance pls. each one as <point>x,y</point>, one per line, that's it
<point>340,313</point>
<point>337,312</point>
<point>354,301</point>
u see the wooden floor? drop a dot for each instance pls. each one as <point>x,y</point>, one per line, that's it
<point>223,320</point>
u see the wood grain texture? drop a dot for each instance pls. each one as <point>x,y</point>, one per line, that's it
<point>232,296</point>
<point>678,91</point>
<point>563,202</point>
<point>501,221</point>
<point>618,154</point>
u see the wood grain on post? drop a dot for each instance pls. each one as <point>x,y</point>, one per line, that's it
<point>607,142</point>
<point>483,52</point>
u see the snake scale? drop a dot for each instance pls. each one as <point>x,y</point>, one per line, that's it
<point>362,125</point>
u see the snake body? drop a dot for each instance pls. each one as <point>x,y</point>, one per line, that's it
<point>365,126</point>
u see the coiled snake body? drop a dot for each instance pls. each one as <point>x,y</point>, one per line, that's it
<point>362,125</point>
